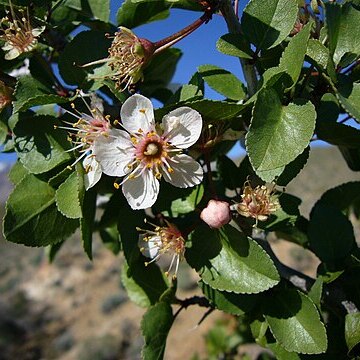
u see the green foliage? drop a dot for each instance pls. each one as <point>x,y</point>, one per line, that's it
<point>300,62</point>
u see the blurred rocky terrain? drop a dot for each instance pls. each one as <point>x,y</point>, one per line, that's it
<point>75,309</point>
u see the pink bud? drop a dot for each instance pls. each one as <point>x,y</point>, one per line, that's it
<point>216,214</point>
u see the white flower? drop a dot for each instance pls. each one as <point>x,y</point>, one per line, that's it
<point>83,134</point>
<point>144,153</point>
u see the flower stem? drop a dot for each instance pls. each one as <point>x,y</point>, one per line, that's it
<point>233,25</point>
<point>172,39</point>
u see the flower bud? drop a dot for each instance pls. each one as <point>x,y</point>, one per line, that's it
<point>216,214</point>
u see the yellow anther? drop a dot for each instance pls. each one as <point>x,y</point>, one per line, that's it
<point>170,170</point>
<point>158,175</point>
<point>55,126</point>
<point>146,263</point>
<point>72,105</point>
<point>93,111</point>
<point>116,186</point>
<point>116,122</point>
<point>143,111</point>
<point>69,167</point>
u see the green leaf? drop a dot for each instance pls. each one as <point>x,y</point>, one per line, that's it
<point>67,197</point>
<point>111,239</point>
<point>277,133</point>
<point>189,203</point>
<point>330,233</point>
<point>318,53</point>
<point>338,134</point>
<point>341,28</point>
<point>281,353</point>
<point>17,172</point>
<point>236,304</point>
<point>132,14</point>
<point>293,57</point>
<point>222,81</point>
<point>266,23</point>
<point>214,254</point>
<point>352,157</point>
<point>100,9</point>
<point>87,220</point>
<point>295,322</point>
<point>349,97</point>
<point>315,292</point>
<point>30,92</point>
<point>186,92</point>
<point>155,326</point>
<point>234,45</point>
<point>80,51</point>
<point>329,108</point>
<point>352,334</point>
<point>39,146</point>
<point>160,71</point>
<point>31,215</point>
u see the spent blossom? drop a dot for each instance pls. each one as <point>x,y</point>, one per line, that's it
<point>144,152</point>
<point>128,55</point>
<point>258,202</point>
<point>5,95</point>
<point>160,241</point>
<point>18,34</point>
<point>83,134</point>
<point>216,214</point>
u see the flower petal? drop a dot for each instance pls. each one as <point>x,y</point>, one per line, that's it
<point>114,152</point>
<point>187,172</point>
<point>150,247</point>
<point>93,173</point>
<point>141,192</point>
<point>182,127</point>
<point>137,113</point>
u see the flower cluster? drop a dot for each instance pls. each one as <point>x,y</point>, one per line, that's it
<point>163,240</point>
<point>144,152</point>
<point>18,34</point>
<point>258,202</point>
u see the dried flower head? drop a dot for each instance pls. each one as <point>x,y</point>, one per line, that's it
<point>18,34</point>
<point>128,54</point>
<point>258,202</point>
<point>84,133</point>
<point>160,241</point>
<point>5,95</point>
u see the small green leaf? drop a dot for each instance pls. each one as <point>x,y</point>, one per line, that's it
<point>338,134</point>
<point>352,333</point>
<point>187,92</point>
<point>295,322</point>
<point>318,53</point>
<point>315,292</point>
<point>277,133</point>
<point>31,215</point>
<point>189,203</point>
<point>222,81</point>
<point>132,14</point>
<point>215,254</point>
<point>234,45</point>
<point>329,108</point>
<point>348,94</point>
<point>100,9</point>
<point>17,172</point>
<point>39,146</point>
<point>30,92</point>
<point>330,233</point>
<point>155,326</point>
<point>236,304</point>
<point>67,197</point>
<point>111,239</point>
<point>266,23</point>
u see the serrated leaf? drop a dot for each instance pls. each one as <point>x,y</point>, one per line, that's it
<point>349,97</point>
<point>342,23</point>
<point>67,197</point>
<point>293,57</point>
<point>267,23</point>
<point>330,233</point>
<point>338,134</point>
<point>17,172</point>
<point>39,146</point>
<point>236,304</point>
<point>132,14</point>
<point>155,326</point>
<point>222,81</point>
<point>318,53</point>
<point>277,133</point>
<point>227,260</point>
<point>80,51</point>
<point>352,334</point>
<point>295,322</point>
<point>31,215</point>
<point>234,45</point>
<point>29,92</point>
<point>100,9</point>
<point>87,220</point>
